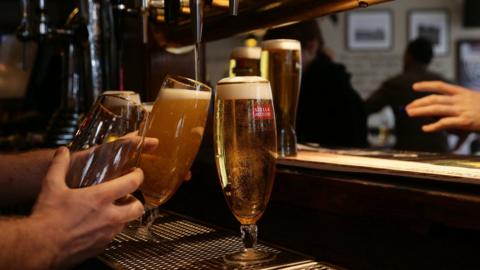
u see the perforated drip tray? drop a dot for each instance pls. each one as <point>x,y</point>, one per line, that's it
<point>186,244</point>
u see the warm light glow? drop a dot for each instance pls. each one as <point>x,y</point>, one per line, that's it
<point>251,42</point>
<point>271,6</point>
<point>180,50</point>
<point>221,3</point>
<point>185,10</point>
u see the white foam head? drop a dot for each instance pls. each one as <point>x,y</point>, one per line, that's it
<point>178,93</point>
<point>281,44</point>
<point>246,52</point>
<point>244,87</point>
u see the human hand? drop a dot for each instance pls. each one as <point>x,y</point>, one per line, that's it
<point>76,224</point>
<point>106,161</point>
<point>457,107</point>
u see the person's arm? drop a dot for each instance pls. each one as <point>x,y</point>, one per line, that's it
<point>21,174</point>
<point>457,107</point>
<point>68,225</point>
<point>378,100</point>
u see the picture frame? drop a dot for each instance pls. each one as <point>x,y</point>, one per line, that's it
<point>369,30</point>
<point>432,24</point>
<point>468,63</point>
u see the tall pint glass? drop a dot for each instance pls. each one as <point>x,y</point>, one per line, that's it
<point>245,61</point>
<point>245,152</point>
<point>281,64</point>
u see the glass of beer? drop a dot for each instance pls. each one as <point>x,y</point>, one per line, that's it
<point>245,61</point>
<point>177,120</point>
<point>245,152</point>
<point>281,64</point>
<point>130,95</point>
<point>108,143</point>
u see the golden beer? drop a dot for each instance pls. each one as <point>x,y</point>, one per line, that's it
<point>245,145</point>
<point>281,64</point>
<point>177,120</point>
<point>245,61</point>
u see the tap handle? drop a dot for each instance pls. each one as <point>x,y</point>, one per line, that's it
<point>233,7</point>
<point>25,31</point>
<point>42,16</point>
<point>172,11</point>
<point>144,17</point>
<point>196,11</point>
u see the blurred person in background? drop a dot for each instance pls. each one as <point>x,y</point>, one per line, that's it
<point>396,92</point>
<point>330,112</point>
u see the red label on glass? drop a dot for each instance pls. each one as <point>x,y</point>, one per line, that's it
<point>262,111</point>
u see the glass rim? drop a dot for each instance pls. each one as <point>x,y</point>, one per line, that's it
<point>291,41</point>
<point>106,109</point>
<point>188,82</point>
<point>113,92</point>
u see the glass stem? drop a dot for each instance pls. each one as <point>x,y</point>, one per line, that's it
<point>249,235</point>
<point>151,213</point>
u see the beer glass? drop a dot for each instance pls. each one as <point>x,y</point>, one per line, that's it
<point>108,143</point>
<point>177,119</point>
<point>245,152</point>
<point>130,95</point>
<point>282,65</point>
<point>245,61</point>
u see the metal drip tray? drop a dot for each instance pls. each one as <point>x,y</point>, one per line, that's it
<point>186,244</point>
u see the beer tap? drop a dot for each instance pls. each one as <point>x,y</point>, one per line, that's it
<point>144,14</point>
<point>25,31</point>
<point>43,19</point>
<point>233,7</point>
<point>196,11</point>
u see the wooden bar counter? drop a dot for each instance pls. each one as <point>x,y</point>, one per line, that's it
<point>356,219</point>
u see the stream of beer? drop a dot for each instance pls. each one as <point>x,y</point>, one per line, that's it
<point>197,60</point>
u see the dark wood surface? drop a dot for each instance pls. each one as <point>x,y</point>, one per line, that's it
<point>357,221</point>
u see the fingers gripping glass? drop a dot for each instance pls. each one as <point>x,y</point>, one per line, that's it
<point>108,143</point>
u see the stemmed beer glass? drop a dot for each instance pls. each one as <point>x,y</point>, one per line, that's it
<point>245,152</point>
<point>108,143</point>
<point>177,120</point>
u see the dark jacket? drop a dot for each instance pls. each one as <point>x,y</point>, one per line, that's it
<point>397,92</point>
<point>330,112</point>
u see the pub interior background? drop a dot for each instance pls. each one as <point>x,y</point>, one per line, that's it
<point>365,80</point>
<point>387,62</point>
<point>367,230</point>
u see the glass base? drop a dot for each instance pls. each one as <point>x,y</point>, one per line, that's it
<point>249,256</point>
<point>143,232</point>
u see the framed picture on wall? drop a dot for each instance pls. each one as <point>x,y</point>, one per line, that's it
<point>369,30</point>
<point>432,24</point>
<point>468,63</point>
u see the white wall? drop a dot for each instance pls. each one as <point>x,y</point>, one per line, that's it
<point>369,69</point>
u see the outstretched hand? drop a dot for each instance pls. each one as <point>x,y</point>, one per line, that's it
<point>457,107</point>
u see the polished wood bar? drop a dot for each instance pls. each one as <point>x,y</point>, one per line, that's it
<point>355,220</point>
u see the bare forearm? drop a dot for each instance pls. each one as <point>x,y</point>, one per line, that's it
<point>21,175</point>
<point>23,246</point>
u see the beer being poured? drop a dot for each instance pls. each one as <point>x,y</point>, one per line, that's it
<point>177,121</point>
